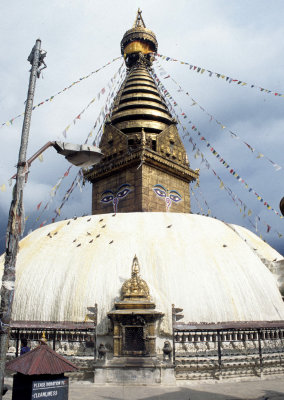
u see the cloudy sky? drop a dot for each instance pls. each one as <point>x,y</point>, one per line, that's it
<point>239,39</point>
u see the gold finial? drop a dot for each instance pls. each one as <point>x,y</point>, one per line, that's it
<point>43,339</point>
<point>135,288</point>
<point>135,266</point>
<point>139,20</point>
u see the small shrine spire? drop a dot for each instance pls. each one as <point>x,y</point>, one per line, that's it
<point>135,288</point>
<point>139,22</point>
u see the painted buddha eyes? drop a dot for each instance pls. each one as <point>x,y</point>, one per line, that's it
<point>107,197</point>
<point>175,196</point>
<point>168,195</point>
<point>114,197</point>
<point>124,192</point>
<point>160,190</point>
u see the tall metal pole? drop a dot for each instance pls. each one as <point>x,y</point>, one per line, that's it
<point>16,216</point>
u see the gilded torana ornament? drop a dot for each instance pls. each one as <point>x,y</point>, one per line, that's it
<point>135,288</point>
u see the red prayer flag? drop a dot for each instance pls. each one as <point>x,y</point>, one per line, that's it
<point>38,206</point>
<point>67,172</point>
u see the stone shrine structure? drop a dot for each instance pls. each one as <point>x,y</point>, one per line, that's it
<point>73,276</point>
<point>134,318</point>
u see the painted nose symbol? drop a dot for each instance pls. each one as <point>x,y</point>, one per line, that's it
<point>115,203</point>
<point>168,202</point>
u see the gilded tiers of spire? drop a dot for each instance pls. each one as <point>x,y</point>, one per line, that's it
<point>140,142</point>
<point>139,104</point>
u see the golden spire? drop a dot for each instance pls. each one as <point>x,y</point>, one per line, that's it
<point>139,22</point>
<point>136,40</point>
<point>135,288</point>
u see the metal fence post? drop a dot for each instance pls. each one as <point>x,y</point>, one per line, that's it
<point>260,350</point>
<point>219,353</point>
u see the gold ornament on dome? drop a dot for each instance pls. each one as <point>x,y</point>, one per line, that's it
<point>135,288</point>
<point>139,38</point>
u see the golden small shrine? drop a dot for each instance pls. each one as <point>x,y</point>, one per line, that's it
<point>134,318</point>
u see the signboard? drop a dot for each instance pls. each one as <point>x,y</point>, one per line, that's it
<point>54,389</point>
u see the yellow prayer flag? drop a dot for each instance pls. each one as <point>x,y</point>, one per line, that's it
<point>249,212</point>
<point>203,69</point>
<point>244,83</point>
<point>222,76</point>
<point>3,188</point>
<point>221,185</point>
<point>40,157</point>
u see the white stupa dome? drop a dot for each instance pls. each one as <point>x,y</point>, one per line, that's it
<point>213,270</point>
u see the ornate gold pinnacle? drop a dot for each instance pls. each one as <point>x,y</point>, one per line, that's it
<point>138,43</point>
<point>135,288</point>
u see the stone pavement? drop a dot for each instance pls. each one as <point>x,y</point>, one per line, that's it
<point>270,389</point>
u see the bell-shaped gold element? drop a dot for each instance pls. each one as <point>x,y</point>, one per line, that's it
<point>135,288</point>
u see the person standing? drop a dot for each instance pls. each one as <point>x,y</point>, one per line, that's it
<point>24,346</point>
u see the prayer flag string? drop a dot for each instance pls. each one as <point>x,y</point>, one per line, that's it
<point>100,93</point>
<point>240,204</point>
<point>114,83</point>
<point>232,171</point>
<point>10,121</point>
<point>199,205</point>
<point>237,201</point>
<point>233,135</point>
<point>228,79</point>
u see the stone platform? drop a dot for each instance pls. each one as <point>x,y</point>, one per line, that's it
<point>134,371</point>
